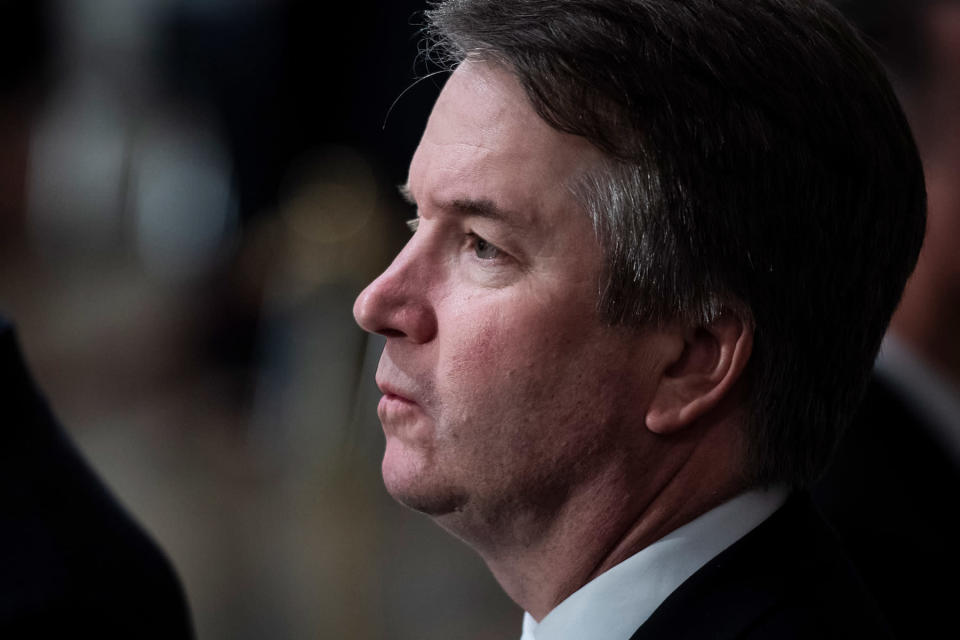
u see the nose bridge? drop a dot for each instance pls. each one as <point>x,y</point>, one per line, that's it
<point>408,274</point>
<point>397,302</point>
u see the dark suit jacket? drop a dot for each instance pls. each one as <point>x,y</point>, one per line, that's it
<point>72,562</point>
<point>894,497</point>
<point>787,579</point>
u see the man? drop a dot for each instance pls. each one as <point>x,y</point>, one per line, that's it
<point>72,561</point>
<point>895,482</point>
<point>656,248</point>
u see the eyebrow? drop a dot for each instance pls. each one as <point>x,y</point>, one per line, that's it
<point>405,193</point>
<point>479,207</point>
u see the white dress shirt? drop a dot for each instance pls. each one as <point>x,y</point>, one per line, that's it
<point>613,605</point>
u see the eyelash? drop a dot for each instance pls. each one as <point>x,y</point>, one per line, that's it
<point>475,241</point>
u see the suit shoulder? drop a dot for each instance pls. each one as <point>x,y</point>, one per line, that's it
<point>788,578</point>
<point>810,621</point>
<point>68,549</point>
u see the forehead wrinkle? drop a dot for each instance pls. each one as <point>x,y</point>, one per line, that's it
<point>450,189</point>
<point>484,145</point>
<point>488,209</point>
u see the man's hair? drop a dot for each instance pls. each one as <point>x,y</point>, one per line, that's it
<point>757,163</point>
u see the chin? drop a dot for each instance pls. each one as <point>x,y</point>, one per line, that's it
<point>410,481</point>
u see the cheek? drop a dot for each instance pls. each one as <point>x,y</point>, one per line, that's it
<point>523,362</point>
<point>486,356</point>
<point>500,342</point>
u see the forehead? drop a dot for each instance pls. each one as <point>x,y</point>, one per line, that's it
<point>485,141</point>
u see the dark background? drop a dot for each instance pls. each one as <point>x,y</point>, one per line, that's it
<point>192,193</point>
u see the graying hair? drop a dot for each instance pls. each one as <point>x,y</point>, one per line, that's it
<point>757,163</point>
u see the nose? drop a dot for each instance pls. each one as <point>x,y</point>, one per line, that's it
<point>396,304</point>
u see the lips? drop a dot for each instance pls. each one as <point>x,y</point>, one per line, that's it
<point>393,393</point>
<point>404,397</point>
<point>398,412</point>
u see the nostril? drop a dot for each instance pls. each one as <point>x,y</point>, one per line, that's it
<point>391,333</point>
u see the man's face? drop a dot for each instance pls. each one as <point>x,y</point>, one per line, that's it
<point>503,389</point>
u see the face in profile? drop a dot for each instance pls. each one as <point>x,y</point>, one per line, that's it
<point>502,386</point>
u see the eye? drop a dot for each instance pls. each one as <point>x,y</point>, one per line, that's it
<point>483,249</point>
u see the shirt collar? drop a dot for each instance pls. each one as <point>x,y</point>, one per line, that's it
<point>613,605</point>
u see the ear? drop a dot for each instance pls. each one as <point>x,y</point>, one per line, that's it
<point>711,361</point>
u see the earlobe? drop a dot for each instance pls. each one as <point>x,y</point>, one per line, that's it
<point>711,362</point>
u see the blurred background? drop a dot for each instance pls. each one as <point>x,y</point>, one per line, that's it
<point>193,193</point>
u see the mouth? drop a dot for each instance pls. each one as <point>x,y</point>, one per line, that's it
<point>393,394</point>
<point>401,413</point>
<point>397,405</point>
<point>404,399</point>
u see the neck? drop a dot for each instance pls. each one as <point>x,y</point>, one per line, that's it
<point>615,515</point>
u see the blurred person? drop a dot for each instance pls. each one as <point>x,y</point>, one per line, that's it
<point>893,490</point>
<point>72,561</point>
<point>656,248</point>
